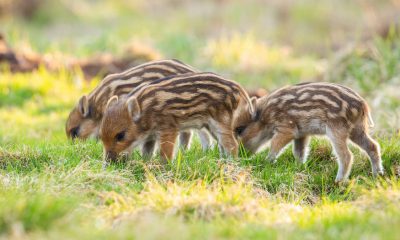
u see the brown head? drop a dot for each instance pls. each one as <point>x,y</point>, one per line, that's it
<point>80,123</point>
<point>248,117</point>
<point>250,131</point>
<point>119,129</point>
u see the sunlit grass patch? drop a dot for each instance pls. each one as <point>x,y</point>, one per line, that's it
<point>247,53</point>
<point>35,105</point>
<point>243,208</point>
<point>61,85</point>
<point>187,199</point>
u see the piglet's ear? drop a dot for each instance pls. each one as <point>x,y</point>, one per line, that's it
<point>254,104</point>
<point>113,100</point>
<point>133,108</point>
<point>83,106</point>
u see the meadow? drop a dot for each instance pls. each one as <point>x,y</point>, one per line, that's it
<point>54,188</point>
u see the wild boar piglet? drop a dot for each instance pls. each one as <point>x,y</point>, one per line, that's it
<point>84,120</point>
<point>298,111</point>
<point>161,109</point>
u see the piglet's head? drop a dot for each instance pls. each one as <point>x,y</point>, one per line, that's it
<point>119,128</point>
<point>80,123</point>
<point>248,129</point>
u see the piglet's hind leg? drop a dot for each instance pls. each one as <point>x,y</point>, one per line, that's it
<point>300,149</point>
<point>361,138</point>
<point>184,139</point>
<point>205,139</point>
<point>148,148</point>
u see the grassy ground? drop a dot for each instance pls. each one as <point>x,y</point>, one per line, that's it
<point>50,187</point>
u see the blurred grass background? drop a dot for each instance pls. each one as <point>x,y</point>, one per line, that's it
<point>260,43</point>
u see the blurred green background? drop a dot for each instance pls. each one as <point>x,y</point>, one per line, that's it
<point>260,43</point>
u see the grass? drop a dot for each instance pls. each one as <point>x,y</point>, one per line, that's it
<point>52,188</point>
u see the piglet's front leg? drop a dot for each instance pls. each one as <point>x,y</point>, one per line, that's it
<point>148,148</point>
<point>167,144</point>
<point>278,142</point>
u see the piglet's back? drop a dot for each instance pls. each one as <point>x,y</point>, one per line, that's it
<point>191,96</point>
<point>309,100</point>
<point>123,83</point>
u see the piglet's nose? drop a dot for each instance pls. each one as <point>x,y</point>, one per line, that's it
<point>111,155</point>
<point>75,133</point>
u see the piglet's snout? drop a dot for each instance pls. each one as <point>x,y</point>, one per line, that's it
<point>110,155</point>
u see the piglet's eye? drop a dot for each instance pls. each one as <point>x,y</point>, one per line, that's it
<point>74,132</point>
<point>239,130</point>
<point>120,136</point>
